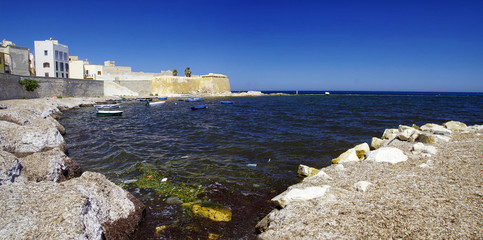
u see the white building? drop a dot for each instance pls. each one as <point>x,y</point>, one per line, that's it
<point>51,59</point>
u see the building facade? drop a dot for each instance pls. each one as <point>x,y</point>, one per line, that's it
<point>14,59</point>
<point>51,59</point>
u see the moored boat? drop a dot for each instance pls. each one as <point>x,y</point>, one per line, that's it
<point>156,103</point>
<point>108,106</point>
<point>227,102</point>
<point>109,112</point>
<point>198,107</point>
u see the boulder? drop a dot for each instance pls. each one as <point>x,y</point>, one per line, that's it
<point>406,134</point>
<point>354,154</point>
<point>387,154</point>
<point>421,148</point>
<point>436,129</point>
<point>299,195</point>
<point>377,143</point>
<point>51,165</point>
<point>426,138</point>
<point>88,207</point>
<point>306,171</point>
<point>212,211</point>
<point>390,134</point>
<point>362,185</point>
<point>455,125</point>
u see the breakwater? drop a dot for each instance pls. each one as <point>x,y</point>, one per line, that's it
<point>416,182</point>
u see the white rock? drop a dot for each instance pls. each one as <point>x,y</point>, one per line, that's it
<point>390,134</point>
<point>440,138</point>
<point>300,195</point>
<point>362,185</point>
<point>377,143</point>
<point>455,125</point>
<point>417,147</point>
<point>306,171</point>
<point>353,155</point>
<point>387,154</point>
<point>406,134</point>
<point>436,129</point>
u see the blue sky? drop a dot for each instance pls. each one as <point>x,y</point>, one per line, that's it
<point>272,45</point>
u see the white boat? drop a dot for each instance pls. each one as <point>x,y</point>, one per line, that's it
<point>156,103</point>
<point>108,106</point>
<point>109,112</point>
<point>327,93</point>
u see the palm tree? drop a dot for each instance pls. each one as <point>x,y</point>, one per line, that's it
<point>175,72</point>
<point>187,72</point>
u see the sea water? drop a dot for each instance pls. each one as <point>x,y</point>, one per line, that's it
<point>242,154</point>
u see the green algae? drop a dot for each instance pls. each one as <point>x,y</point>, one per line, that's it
<point>165,188</point>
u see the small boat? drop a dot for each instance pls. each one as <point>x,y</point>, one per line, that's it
<point>198,107</point>
<point>144,99</point>
<point>109,113</point>
<point>327,93</point>
<point>193,99</point>
<point>227,102</point>
<point>163,98</point>
<point>181,99</point>
<point>108,106</point>
<point>156,103</point>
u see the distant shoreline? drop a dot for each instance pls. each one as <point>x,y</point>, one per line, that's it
<point>301,92</point>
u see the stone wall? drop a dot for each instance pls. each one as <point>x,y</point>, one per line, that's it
<point>49,87</point>
<point>211,84</point>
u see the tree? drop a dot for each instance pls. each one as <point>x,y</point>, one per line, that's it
<point>187,72</point>
<point>175,72</point>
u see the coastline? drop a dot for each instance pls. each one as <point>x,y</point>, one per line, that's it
<point>43,193</point>
<point>435,193</point>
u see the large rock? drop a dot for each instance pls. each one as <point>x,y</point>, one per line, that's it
<point>436,129</point>
<point>306,171</point>
<point>51,165</point>
<point>88,207</point>
<point>300,195</point>
<point>421,148</point>
<point>378,143</point>
<point>390,134</point>
<point>387,154</point>
<point>354,154</point>
<point>455,125</point>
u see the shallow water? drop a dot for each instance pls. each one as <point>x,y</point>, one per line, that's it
<point>243,154</point>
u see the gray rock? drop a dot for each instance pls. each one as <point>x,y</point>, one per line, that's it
<point>51,165</point>
<point>88,207</point>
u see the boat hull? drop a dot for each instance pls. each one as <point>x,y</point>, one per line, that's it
<point>108,113</point>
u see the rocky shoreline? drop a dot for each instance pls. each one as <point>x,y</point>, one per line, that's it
<point>414,183</point>
<point>43,193</point>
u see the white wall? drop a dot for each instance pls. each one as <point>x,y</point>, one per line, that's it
<point>57,62</point>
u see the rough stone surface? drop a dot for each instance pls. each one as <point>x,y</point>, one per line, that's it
<point>405,201</point>
<point>37,199</point>
<point>51,165</point>
<point>354,154</point>
<point>306,171</point>
<point>390,134</point>
<point>436,129</point>
<point>387,154</point>
<point>377,143</point>
<point>455,125</point>
<point>297,195</point>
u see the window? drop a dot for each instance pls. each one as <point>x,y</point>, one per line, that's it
<point>46,65</point>
<point>62,75</point>
<point>65,56</point>
<point>66,67</point>
<point>61,67</point>
<point>99,73</point>
<point>56,54</point>
<point>56,66</point>
<point>66,75</point>
<point>56,74</point>
<point>46,74</point>
<point>46,52</point>
<point>87,71</point>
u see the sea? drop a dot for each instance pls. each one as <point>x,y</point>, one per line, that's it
<point>238,156</point>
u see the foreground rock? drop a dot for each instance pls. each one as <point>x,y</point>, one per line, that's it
<point>435,194</point>
<point>41,193</point>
